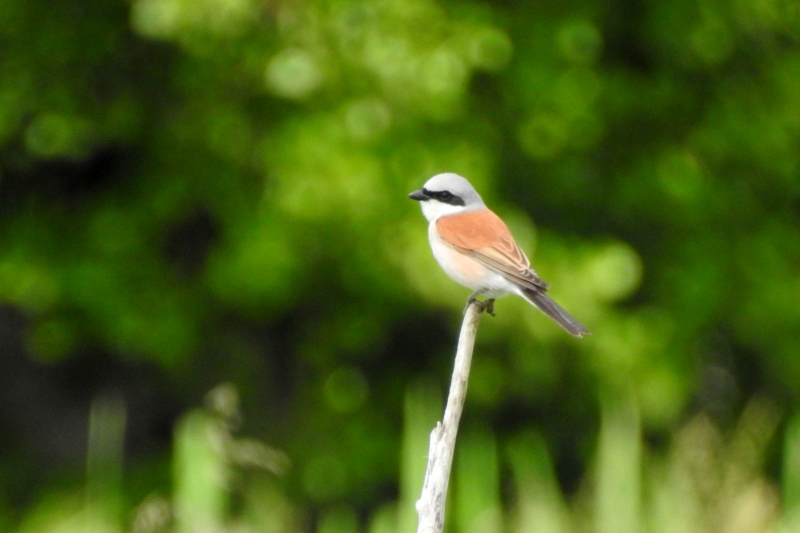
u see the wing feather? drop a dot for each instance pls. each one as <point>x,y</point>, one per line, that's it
<point>483,236</point>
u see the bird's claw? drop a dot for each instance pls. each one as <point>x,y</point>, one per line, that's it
<point>485,305</point>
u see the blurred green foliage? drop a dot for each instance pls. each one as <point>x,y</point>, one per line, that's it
<point>196,192</point>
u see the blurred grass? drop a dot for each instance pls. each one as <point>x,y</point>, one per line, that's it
<point>705,481</point>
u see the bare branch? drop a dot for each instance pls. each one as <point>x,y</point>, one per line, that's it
<point>431,504</point>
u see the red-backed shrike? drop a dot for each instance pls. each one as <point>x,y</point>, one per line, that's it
<point>475,248</point>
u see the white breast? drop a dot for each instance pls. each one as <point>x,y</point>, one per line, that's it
<point>467,271</point>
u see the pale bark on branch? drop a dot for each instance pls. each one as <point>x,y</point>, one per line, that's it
<point>431,504</point>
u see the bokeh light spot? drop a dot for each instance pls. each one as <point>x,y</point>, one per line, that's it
<point>490,49</point>
<point>155,18</point>
<point>712,42</point>
<point>28,285</point>
<point>57,135</point>
<point>616,271</point>
<point>680,175</point>
<point>580,41</point>
<point>444,72</point>
<point>659,391</point>
<point>167,18</point>
<point>765,15</point>
<point>368,118</point>
<point>294,73</point>
<point>544,136</point>
<point>576,90</point>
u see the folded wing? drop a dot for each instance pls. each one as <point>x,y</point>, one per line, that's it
<point>483,236</point>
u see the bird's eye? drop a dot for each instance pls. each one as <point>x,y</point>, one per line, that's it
<point>445,195</point>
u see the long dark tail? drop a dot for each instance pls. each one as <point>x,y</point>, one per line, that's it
<point>542,301</point>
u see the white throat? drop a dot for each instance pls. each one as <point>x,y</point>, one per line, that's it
<point>434,209</point>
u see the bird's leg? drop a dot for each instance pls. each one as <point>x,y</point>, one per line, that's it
<point>470,300</point>
<point>485,305</point>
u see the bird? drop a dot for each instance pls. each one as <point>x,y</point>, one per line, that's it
<point>476,249</point>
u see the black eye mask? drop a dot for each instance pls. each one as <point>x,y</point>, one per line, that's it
<point>446,197</point>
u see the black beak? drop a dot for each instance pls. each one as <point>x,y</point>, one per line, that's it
<point>419,196</point>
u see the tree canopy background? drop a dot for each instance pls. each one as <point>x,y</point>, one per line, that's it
<point>196,193</point>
